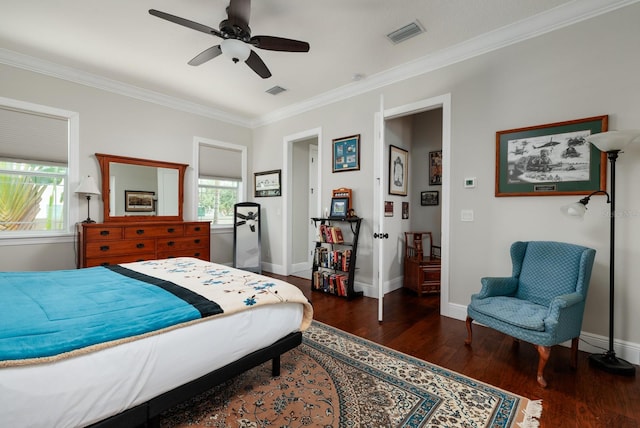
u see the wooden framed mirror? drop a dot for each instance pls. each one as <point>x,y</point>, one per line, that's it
<point>141,189</point>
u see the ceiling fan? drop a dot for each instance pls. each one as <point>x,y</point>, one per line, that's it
<point>236,38</point>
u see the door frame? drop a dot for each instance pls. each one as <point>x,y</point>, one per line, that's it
<point>444,102</point>
<point>287,183</point>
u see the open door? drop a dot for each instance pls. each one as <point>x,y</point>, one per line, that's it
<point>380,236</point>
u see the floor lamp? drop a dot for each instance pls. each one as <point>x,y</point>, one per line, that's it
<point>88,187</point>
<point>611,143</point>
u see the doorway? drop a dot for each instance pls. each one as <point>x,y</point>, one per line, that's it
<point>389,269</point>
<point>301,199</point>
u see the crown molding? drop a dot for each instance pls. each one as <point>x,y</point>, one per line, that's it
<point>542,23</point>
<point>52,69</point>
<point>559,17</point>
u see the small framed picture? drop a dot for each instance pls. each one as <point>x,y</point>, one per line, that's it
<point>139,201</point>
<point>346,153</point>
<point>398,171</point>
<point>339,207</point>
<point>435,168</point>
<point>267,183</point>
<point>405,210</point>
<point>430,197</point>
<point>388,208</point>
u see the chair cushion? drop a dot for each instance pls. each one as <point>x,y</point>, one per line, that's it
<point>511,310</point>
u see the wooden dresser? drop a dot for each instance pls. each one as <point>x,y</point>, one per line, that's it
<point>421,263</point>
<point>113,243</point>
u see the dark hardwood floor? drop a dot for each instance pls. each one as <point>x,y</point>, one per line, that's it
<point>585,397</point>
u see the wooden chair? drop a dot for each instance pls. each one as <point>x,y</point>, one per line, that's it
<point>421,263</point>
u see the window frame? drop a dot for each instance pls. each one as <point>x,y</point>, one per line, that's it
<point>242,186</point>
<point>237,190</point>
<point>71,212</point>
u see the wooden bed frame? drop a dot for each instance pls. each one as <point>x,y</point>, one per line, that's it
<point>148,414</point>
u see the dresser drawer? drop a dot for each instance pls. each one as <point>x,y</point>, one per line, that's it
<point>200,253</point>
<point>151,231</point>
<point>106,248</point>
<point>103,233</point>
<point>169,244</point>
<point>203,228</point>
<point>114,259</point>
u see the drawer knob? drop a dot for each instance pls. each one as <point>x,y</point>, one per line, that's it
<point>104,264</point>
<point>140,245</point>
<point>104,233</point>
<point>104,248</point>
<point>197,228</point>
<point>196,255</point>
<point>140,231</point>
<point>171,230</point>
<point>197,241</point>
<point>171,243</point>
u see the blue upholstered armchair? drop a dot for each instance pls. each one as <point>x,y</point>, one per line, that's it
<point>543,300</point>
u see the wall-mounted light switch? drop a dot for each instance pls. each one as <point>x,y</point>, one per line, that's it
<point>466,215</point>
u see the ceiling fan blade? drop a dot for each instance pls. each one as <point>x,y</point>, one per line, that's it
<point>240,223</point>
<point>239,12</point>
<point>242,216</point>
<point>258,65</point>
<point>206,55</point>
<point>185,22</point>
<point>279,44</point>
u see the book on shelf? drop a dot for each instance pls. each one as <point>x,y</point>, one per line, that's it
<point>336,235</point>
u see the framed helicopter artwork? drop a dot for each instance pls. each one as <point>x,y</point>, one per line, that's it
<point>552,159</point>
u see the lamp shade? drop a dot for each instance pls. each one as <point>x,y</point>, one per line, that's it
<point>577,210</point>
<point>613,140</point>
<point>88,186</point>
<point>235,49</point>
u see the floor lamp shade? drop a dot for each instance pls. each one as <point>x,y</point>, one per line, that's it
<point>88,187</point>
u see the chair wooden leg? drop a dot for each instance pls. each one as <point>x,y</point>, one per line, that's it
<point>468,322</point>
<point>544,352</point>
<point>574,352</point>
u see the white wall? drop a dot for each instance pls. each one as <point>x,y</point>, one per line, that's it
<point>109,123</point>
<point>584,70</point>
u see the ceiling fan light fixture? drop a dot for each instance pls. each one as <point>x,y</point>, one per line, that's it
<point>235,49</point>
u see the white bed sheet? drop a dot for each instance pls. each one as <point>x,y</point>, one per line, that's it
<point>82,390</point>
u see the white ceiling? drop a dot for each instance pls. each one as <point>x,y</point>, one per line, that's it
<point>117,42</point>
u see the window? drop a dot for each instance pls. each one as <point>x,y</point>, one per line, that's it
<point>38,157</point>
<point>32,196</point>
<point>216,198</point>
<point>220,177</point>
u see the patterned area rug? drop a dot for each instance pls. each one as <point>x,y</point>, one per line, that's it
<point>335,379</point>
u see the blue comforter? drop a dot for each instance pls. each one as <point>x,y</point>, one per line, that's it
<point>44,314</point>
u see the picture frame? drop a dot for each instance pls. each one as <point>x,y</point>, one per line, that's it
<point>398,170</point>
<point>435,168</point>
<point>268,183</point>
<point>346,153</point>
<point>429,197</point>
<point>140,201</point>
<point>552,159</point>
<point>405,210</point>
<point>388,208</point>
<point>339,208</point>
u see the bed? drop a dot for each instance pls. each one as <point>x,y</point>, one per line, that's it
<point>136,339</point>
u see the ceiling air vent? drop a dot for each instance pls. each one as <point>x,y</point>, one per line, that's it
<point>275,90</point>
<point>406,32</point>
